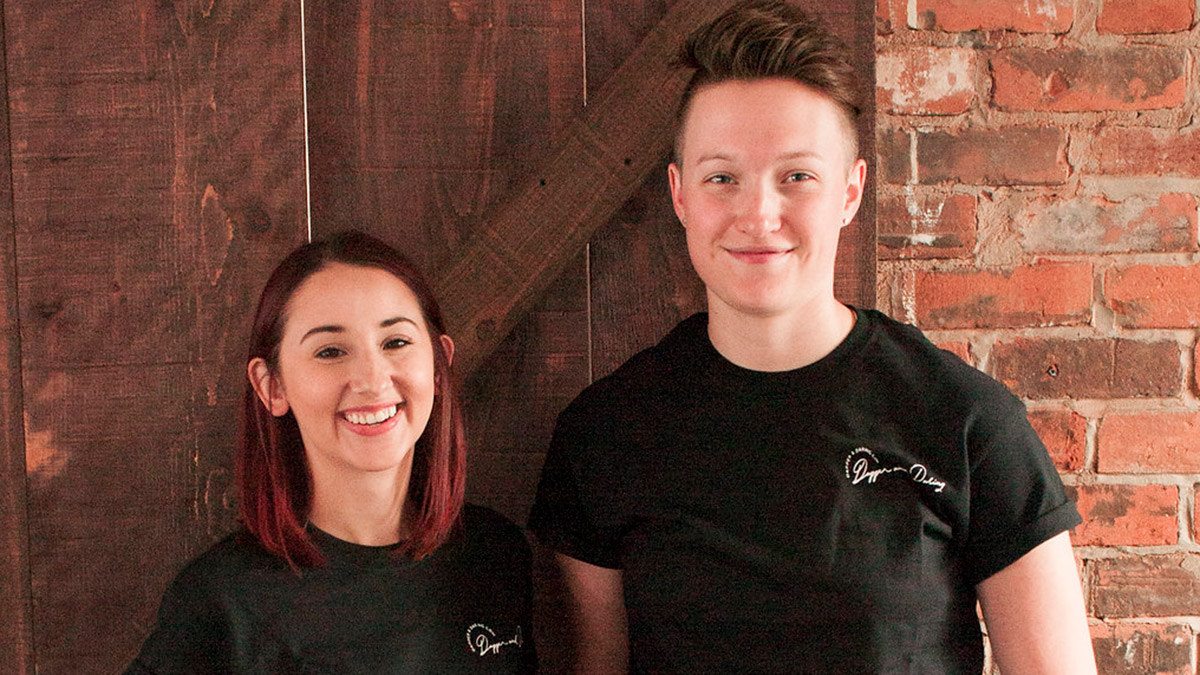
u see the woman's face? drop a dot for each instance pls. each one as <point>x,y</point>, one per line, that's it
<point>356,369</point>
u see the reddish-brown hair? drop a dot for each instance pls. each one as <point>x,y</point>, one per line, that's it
<point>273,474</point>
<point>763,39</point>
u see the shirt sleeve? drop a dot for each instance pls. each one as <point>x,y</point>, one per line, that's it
<point>191,636</point>
<point>1017,499</point>
<point>562,517</point>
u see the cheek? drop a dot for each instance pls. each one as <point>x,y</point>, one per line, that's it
<point>417,377</point>
<point>306,389</point>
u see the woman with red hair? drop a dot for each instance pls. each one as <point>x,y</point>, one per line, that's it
<point>357,553</point>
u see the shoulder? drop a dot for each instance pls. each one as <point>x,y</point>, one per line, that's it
<point>902,356</point>
<point>487,528</point>
<point>226,566</point>
<point>647,374</point>
<point>490,549</point>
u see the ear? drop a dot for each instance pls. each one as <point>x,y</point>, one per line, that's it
<point>268,387</point>
<point>675,178</point>
<point>855,182</point>
<point>448,347</point>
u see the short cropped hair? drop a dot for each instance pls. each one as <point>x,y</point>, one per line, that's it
<point>274,480</point>
<point>770,39</point>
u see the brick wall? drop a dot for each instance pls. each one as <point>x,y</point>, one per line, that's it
<point>1039,174</point>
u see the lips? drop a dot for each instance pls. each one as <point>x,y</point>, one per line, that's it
<point>371,417</point>
<point>371,421</point>
<point>758,254</point>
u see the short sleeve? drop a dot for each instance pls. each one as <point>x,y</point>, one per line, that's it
<point>192,633</point>
<point>524,561</point>
<point>1017,499</point>
<point>561,517</point>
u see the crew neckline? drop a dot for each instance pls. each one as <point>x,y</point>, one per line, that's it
<point>698,329</point>
<point>338,550</point>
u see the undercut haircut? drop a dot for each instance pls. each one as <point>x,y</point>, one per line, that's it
<point>770,39</point>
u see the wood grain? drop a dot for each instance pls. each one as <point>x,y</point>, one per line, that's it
<point>157,177</point>
<point>642,280</point>
<point>602,157</point>
<point>421,113</point>
<point>16,629</point>
<point>423,116</point>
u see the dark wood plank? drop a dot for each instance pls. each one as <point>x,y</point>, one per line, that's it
<point>600,159</point>
<point>16,630</point>
<point>157,177</point>
<point>422,113</point>
<point>423,116</point>
<point>515,395</point>
<point>642,279</point>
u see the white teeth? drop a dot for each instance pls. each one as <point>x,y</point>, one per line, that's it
<point>371,418</point>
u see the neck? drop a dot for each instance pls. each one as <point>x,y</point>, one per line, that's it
<point>367,509</point>
<point>778,342</point>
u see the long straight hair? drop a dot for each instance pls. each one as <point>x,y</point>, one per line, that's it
<point>274,480</point>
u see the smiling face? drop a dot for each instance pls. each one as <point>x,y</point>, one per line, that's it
<point>763,188</point>
<point>355,368</point>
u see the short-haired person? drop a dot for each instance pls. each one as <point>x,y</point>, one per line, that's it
<point>357,553</point>
<point>785,483</point>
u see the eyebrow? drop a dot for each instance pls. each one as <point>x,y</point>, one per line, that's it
<point>799,154</point>
<point>334,328</point>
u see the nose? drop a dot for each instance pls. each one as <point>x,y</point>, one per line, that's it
<point>761,209</point>
<point>370,373</point>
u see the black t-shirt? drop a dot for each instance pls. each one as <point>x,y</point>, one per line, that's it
<point>463,609</point>
<point>833,518</point>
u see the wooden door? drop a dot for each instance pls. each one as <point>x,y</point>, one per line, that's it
<point>156,171</point>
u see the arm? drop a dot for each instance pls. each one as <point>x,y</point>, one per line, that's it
<point>1035,614</point>
<point>595,605</point>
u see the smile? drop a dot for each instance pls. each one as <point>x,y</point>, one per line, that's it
<point>377,417</point>
<point>757,255</point>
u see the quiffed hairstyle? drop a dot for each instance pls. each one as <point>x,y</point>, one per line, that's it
<point>762,39</point>
<point>273,474</point>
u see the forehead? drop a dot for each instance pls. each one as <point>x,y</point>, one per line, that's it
<point>764,115</point>
<point>344,294</point>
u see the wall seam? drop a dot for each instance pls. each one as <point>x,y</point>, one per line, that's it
<point>28,658</point>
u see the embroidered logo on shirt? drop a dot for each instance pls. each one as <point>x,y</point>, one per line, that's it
<point>862,466</point>
<point>482,640</point>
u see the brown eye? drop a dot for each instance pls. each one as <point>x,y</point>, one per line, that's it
<point>329,353</point>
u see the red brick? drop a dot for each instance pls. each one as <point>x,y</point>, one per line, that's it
<point>1136,648</point>
<point>960,349</point>
<point>1146,586</point>
<point>895,165</point>
<point>889,15</point>
<point>1155,296</point>
<point>1044,295</point>
<point>1133,78</point>
<point>1090,368</point>
<point>1007,156</point>
<point>1156,224</point>
<point>1050,16</point>
<point>926,81</point>
<point>1065,435</point>
<point>1135,151</point>
<point>1145,16</point>
<point>926,225</point>
<point>1126,515</point>
<point>1149,442</point>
